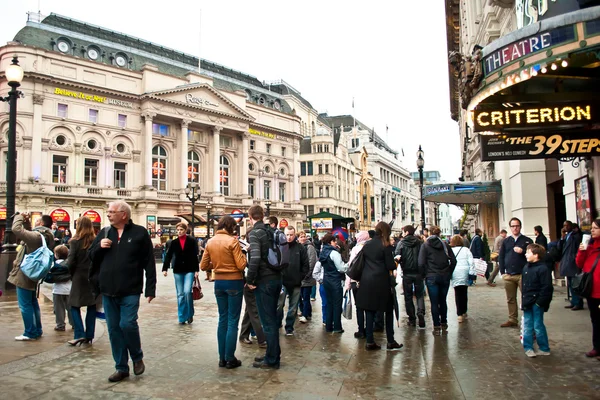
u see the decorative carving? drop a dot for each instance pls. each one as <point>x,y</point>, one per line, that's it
<point>185,123</point>
<point>27,142</point>
<point>78,128</point>
<point>148,116</point>
<point>107,151</point>
<point>108,133</point>
<point>469,71</point>
<point>125,153</point>
<point>78,148</point>
<point>136,155</point>
<point>53,145</point>
<point>38,99</point>
<point>217,129</point>
<point>96,150</point>
<point>502,3</point>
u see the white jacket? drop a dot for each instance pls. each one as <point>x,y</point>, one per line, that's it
<point>464,266</point>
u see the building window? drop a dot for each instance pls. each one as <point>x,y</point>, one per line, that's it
<point>326,191</point>
<point>59,169</point>
<point>320,191</point>
<point>122,120</point>
<point>282,191</point>
<point>159,168</point>
<point>267,190</point>
<point>319,148</point>
<point>310,191</point>
<point>193,167</point>
<point>302,168</point>
<point>93,116</point>
<point>320,169</point>
<point>309,167</point>
<point>251,187</point>
<point>311,210</point>
<point>303,191</point>
<point>252,144</point>
<point>224,141</point>
<point>282,151</point>
<point>90,172</point>
<point>326,148</point>
<point>160,129</point>
<point>63,110</point>
<point>268,148</point>
<point>224,176</point>
<point>120,175</point>
<point>327,168</point>
<point>355,143</point>
<point>194,136</point>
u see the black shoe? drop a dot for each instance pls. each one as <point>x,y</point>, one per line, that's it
<point>139,367</point>
<point>118,376</point>
<point>445,327</point>
<point>259,359</point>
<point>421,321</point>
<point>570,306</point>
<point>189,321</point>
<point>264,365</point>
<point>372,346</point>
<point>359,335</point>
<point>340,331</point>
<point>394,346</point>
<point>222,363</point>
<point>577,308</point>
<point>412,322</point>
<point>231,364</point>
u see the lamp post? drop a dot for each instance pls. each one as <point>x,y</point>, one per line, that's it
<point>208,219</point>
<point>356,220</point>
<point>420,165</point>
<point>192,192</point>
<point>268,205</point>
<point>14,76</point>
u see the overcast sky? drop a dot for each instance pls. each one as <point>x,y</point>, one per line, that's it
<point>389,55</point>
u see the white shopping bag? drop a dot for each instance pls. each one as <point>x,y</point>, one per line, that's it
<point>480,266</point>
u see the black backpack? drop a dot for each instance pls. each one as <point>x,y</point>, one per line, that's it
<point>279,250</point>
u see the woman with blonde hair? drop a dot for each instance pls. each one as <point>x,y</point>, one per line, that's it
<point>81,295</point>
<point>465,266</point>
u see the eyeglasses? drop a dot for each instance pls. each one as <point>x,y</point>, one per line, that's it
<point>515,226</point>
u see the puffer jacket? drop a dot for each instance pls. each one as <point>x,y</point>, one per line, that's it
<point>436,257</point>
<point>464,266</point>
<point>408,250</point>
<point>536,286</point>
<point>30,241</point>
<point>225,254</point>
<point>297,269</point>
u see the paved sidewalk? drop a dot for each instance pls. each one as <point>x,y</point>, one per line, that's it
<point>476,360</point>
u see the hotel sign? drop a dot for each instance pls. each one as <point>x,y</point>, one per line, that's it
<point>498,117</point>
<point>524,147</point>
<point>525,47</point>
<point>92,97</point>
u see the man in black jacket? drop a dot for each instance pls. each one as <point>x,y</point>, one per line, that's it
<point>540,238</point>
<point>408,251</point>
<point>293,275</point>
<point>120,254</point>
<point>568,246</point>
<point>512,260</point>
<point>266,283</point>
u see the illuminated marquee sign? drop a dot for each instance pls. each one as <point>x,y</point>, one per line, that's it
<point>92,97</point>
<point>524,147</point>
<point>260,133</point>
<point>498,117</point>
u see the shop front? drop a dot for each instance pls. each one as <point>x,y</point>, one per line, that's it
<point>94,216</point>
<point>60,217</point>
<point>2,223</point>
<point>324,222</point>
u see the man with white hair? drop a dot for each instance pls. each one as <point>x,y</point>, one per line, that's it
<point>120,254</point>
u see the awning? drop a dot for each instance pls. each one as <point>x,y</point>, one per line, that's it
<point>464,192</point>
<point>198,219</point>
<point>168,220</point>
<point>335,217</point>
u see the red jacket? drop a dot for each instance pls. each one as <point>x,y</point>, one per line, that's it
<point>585,259</point>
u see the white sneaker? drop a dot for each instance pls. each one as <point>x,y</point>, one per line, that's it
<point>530,353</point>
<point>23,338</point>
<point>303,319</point>
<point>543,353</point>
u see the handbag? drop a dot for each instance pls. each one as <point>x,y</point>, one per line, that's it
<point>197,289</point>
<point>356,267</point>
<point>583,282</point>
<point>36,264</point>
<point>347,307</point>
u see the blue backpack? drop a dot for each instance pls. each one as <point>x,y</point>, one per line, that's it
<point>36,264</point>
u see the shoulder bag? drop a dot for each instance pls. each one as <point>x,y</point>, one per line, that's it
<point>36,264</point>
<point>197,289</point>
<point>583,282</point>
<point>356,267</point>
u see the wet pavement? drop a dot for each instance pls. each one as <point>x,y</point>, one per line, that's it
<point>475,360</point>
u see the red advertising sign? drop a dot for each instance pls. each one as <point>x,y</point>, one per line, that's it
<point>283,223</point>
<point>93,216</point>
<point>3,213</point>
<point>60,215</point>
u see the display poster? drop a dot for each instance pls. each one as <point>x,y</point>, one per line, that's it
<point>583,203</point>
<point>322,223</point>
<point>151,225</point>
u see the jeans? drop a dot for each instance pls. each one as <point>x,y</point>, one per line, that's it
<point>293,294</point>
<point>360,313</point>
<point>511,284</point>
<point>533,320</point>
<point>229,294</point>
<point>323,301</point>
<point>305,293</point>
<point>335,297</point>
<point>30,312</point>
<point>461,299</point>
<point>123,330</point>
<point>408,281</point>
<point>313,292</point>
<point>267,294</point>
<point>90,322</point>
<point>185,301</point>
<point>389,323</point>
<point>251,321</point>
<point>576,301</point>
<point>437,287</point>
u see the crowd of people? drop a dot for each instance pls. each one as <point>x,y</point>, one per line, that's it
<point>273,268</point>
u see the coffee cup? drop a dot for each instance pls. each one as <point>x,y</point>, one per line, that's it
<point>585,240</point>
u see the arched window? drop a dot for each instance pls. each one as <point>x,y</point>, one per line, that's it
<point>159,168</point>
<point>224,176</point>
<point>193,167</point>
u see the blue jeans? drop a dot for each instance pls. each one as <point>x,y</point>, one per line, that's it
<point>267,295</point>
<point>576,301</point>
<point>123,330</point>
<point>90,322</point>
<point>533,320</point>
<point>293,293</point>
<point>229,296</point>
<point>185,301</point>
<point>305,293</point>
<point>323,301</point>
<point>30,312</point>
<point>313,292</point>
<point>437,287</point>
<point>335,296</point>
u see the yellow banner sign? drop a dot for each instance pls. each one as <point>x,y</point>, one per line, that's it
<point>92,97</point>
<point>260,133</point>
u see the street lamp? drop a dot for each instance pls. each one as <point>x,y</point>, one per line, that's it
<point>268,205</point>
<point>192,192</point>
<point>356,220</point>
<point>208,219</point>
<point>420,165</point>
<point>14,76</point>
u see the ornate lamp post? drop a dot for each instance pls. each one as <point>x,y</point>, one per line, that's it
<point>14,76</point>
<point>268,205</point>
<point>208,219</point>
<point>192,192</point>
<point>356,220</point>
<point>420,165</point>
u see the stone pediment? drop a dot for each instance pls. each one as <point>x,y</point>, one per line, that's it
<point>203,97</point>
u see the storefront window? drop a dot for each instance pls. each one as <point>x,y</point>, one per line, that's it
<point>224,176</point>
<point>159,168</point>
<point>193,167</point>
<point>90,173</point>
<point>59,169</point>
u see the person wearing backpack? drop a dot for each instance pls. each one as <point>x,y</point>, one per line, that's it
<point>26,288</point>
<point>412,277</point>
<point>465,267</point>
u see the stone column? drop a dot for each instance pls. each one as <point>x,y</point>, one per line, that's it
<point>79,164</point>
<point>183,151</point>
<point>148,116</point>
<point>295,167</point>
<point>216,150</point>
<point>36,143</point>
<point>245,147</point>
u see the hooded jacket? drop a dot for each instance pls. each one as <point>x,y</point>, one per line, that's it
<point>436,258</point>
<point>537,286</point>
<point>258,269</point>
<point>298,267</point>
<point>312,261</point>
<point>408,250</point>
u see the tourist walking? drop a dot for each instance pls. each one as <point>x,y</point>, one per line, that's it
<point>120,255</point>
<point>497,243</point>
<point>182,256</point>
<point>223,254</point>
<point>460,277</point>
<point>361,238</point>
<point>412,276</point>
<point>476,248</point>
<point>333,269</point>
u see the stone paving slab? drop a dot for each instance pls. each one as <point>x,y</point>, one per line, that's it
<point>475,360</point>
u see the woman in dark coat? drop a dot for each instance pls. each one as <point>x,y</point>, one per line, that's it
<point>375,286</point>
<point>81,295</point>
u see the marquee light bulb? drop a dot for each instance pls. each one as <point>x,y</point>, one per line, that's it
<point>564,63</point>
<point>544,70</point>
<point>534,73</point>
<point>554,67</point>
<point>517,79</point>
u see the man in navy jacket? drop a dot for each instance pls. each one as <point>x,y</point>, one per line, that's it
<point>568,247</point>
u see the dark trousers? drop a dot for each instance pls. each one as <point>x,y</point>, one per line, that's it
<point>251,319</point>
<point>593,305</point>
<point>576,301</point>
<point>335,296</point>
<point>305,306</point>
<point>267,295</point>
<point>460,296</point>
<point>360,313</point>
<point>408,282</point>
<point>90,322</point>
<point>123,330</point>
<point>389,323</point>
<point>437,287</point>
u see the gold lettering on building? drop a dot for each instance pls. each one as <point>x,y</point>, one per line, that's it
<point>531,116</point>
